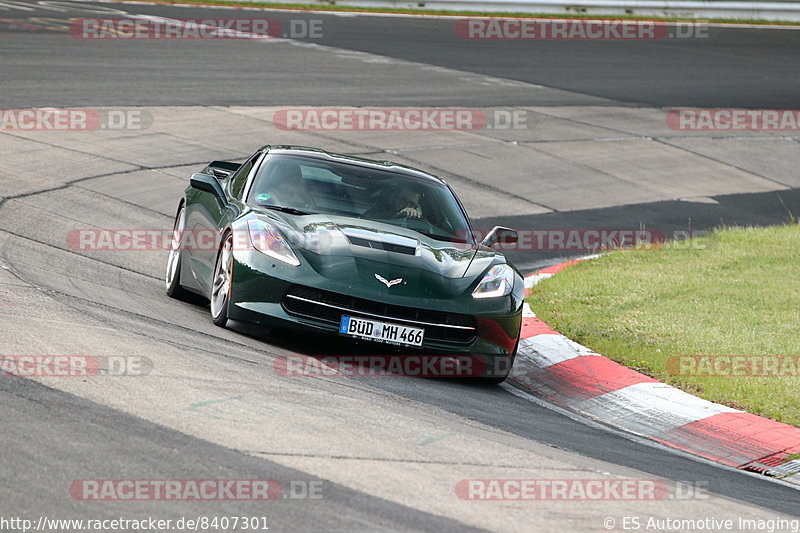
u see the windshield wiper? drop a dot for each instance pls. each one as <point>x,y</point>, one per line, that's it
<point>285,209</point>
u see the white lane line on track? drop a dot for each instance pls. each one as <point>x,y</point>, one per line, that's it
<point>644,441</point>
<point>367,57</point>
<point>344,53</point>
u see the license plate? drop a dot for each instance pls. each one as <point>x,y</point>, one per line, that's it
<point>375,330</point>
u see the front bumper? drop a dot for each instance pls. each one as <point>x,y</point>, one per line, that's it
<point>265,291</point>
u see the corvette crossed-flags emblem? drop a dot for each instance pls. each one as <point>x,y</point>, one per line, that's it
<point>387,282</point>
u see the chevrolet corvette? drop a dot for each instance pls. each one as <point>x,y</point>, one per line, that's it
<point>369,250</point>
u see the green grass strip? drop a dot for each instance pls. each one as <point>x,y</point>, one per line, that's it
<point>733,292</point>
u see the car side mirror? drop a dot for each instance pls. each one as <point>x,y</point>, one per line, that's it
<point>207,183</point>
<point>500,235</point>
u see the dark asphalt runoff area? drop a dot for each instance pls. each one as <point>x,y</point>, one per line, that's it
<point>730,68</point>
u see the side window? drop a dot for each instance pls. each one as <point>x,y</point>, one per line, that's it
<point>239,180</point>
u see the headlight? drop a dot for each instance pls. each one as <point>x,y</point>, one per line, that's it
<point>499,281</point>
<point>267,239</point>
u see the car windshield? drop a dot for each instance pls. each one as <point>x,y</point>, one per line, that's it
<point>305,185</point>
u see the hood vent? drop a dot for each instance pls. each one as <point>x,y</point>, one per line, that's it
<point>380,245</point>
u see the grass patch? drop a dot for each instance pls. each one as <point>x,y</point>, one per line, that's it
<point>449,12</point>
<point>733,292</point>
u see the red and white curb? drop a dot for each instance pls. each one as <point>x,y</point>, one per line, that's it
<point>568,374</point>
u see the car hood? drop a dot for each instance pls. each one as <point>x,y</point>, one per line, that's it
<point>361,251</point>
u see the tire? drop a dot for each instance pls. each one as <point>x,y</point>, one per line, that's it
<point>221,282</point>
<point>172,279</point>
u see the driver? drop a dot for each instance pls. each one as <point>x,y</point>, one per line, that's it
<point>403,201</point>
<point>407,203</point>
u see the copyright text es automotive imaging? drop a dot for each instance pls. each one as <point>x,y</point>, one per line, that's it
<point>710,523</point>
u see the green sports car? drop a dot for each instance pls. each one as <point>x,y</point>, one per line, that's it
<point>301,238</point>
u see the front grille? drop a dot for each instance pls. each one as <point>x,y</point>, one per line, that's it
<point>330,306</point>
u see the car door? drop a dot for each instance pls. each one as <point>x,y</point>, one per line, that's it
<point>208,216</point>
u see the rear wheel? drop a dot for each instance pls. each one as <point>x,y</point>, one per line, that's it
<point>172,279</point>
<point>221,285</point>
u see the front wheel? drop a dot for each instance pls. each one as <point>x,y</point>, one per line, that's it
<point>172,280</point>
<point>221,285</point>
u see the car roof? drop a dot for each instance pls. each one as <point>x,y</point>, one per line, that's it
<point>324,155</point>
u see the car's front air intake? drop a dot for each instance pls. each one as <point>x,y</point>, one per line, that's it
<point>330,306</point>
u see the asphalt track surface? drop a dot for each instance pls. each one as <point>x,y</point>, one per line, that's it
<point>730,68</point>
<point>52,437</point>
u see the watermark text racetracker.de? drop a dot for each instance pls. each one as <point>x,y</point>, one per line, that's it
<point>53,119</point>
<point>595,239</point>
<point>733,366</point>
<point>381,366</point>
<point>150,240</point>
<point>195,490</point>
<point>577,239</point>
<point>734,119</point>
<point>577,29</point>
<point>149,28</point>
<point>74,366</point>
<point>609,489</point>
<point>401,119</point>
<point>563,240</point>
